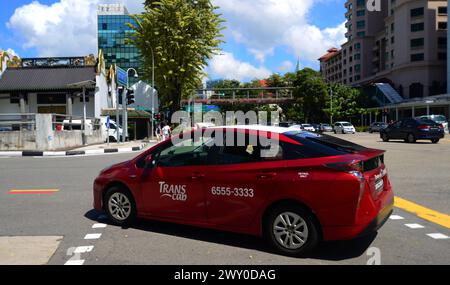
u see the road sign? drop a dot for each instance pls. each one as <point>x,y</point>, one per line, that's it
<point>122,77</point>
<point>108,122</point>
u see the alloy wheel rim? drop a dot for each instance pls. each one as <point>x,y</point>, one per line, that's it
<point>119,206</point>
<point>290,230</point>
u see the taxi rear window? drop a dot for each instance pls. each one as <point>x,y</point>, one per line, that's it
<point>328,145</point>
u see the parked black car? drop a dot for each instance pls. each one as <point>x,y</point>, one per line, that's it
<point>377,127</point>
<point>411,130</point>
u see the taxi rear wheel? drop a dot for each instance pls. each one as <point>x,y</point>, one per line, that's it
<point>120,207</point>
<point>291,230</point>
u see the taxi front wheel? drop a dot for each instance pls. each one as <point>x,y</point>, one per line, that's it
<point>120,206</point>
<point>291,230</point>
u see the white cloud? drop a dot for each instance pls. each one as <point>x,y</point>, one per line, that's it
<point>65,28</point>
<point>286,66</point>
<point>227,66</point>
<point>262,25</point>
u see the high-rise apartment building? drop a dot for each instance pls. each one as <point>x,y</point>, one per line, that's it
<point>404,45</point>
<point>113,30</point>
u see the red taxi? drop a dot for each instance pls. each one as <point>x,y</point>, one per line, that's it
<point>294,188</point>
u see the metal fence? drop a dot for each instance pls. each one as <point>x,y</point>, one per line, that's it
<point>27,121</point>
<point>17,122</point>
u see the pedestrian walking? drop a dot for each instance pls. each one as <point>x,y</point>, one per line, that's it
<point>158,132</point>
<point>166,132</point>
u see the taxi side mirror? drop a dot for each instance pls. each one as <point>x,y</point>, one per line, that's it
<point>149,161</point>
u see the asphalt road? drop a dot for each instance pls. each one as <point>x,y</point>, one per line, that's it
<point>419,173</point>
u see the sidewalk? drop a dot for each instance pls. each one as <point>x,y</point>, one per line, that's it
<point>113,145</point>
<point>97,149</point>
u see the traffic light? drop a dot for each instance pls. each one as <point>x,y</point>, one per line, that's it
<point>130,97</point>
<point>120,91</point>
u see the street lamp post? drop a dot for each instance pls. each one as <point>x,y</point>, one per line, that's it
<point>331,100</point>
<point>331,105</point>
<point>153,89</point>
<point>124,105</point>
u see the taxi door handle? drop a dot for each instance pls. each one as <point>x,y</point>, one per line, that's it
<point>197,176</point>
<point>266,175</point>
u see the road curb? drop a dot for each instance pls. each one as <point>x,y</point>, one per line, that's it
<point>71,153</point>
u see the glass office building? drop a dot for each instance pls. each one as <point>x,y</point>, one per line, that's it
<point>112,34</point>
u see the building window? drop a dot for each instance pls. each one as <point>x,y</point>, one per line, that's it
<point>357,77</point>
<point>442,26</point>
<point>361,24</point>
<point>50,99</point>
<point>361,34</point>
<point>442,10</point>
<point>392,40</point>
<point>358,68</point>
<point>416,90</point>
<point>417,27</point>
<point>361,13</point>
<point>357,46</point>
<point>392,27</point>
<point>442,42</point>
<point>417,43</point>
<point>417,57</point>
<point>442,56</point>
<point>357,56</point>
<point>360,3</point>
<point>417,12</point>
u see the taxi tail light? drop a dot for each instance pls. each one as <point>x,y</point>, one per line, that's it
<point>441,126</point>
<point>355,168</point>
<point>347,166</point>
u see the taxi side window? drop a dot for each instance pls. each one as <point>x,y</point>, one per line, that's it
<point>249,151</point>
<point>184,153</point>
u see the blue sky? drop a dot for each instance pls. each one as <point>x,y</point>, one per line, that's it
<point>262,36</point>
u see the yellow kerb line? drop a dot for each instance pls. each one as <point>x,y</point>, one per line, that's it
<point>422,212</point>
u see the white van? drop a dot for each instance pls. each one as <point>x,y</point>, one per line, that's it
<point>112,134</point>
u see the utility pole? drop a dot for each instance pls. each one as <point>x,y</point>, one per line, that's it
<point>124,104</point>
<point>117,115</point>
<point>331,105</point>
<point>153,89</point>
<point>124,115</point>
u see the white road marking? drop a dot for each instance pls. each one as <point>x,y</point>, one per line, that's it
<point>99,226</point>
<point>74,262</point>
<point>414,226</point>
<point>83,249</point>
<point>92,236</point>
<point>438,236</point>
<point>395,217</point>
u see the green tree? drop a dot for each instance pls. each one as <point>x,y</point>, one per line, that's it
<point>275,80</point>
<point>310,96</point>
<point>223,83</point>
<point>346,102</point>
<point>184,35</point>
